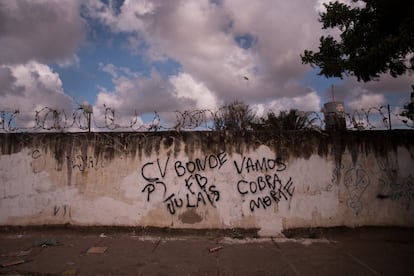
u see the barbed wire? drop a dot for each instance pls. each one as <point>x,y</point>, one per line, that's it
<point>84,120</point>
<point>377,118</point>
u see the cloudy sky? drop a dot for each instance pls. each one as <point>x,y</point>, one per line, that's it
<point>140,56</point>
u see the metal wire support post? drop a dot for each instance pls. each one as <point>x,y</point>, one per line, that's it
<point>389,118</point>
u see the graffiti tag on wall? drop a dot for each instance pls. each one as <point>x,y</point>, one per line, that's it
<point>268,188</point>
<point>393,187</point>
<point>356,181</point>
<point>81,162</point>
<point>196,189</point>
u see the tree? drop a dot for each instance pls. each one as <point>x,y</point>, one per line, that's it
<point>285,120</point>
<point>376,36</point>
<point>408,110</point>
<point>235,116</point>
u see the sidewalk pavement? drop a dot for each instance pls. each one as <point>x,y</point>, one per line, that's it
<point>337,251</point>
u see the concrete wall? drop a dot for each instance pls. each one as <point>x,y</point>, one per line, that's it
<point>267,181</point>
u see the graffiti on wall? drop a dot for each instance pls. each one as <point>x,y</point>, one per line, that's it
<point>38,162</point>
<point>394,187</point>
<point>62,211</point>
<point>267,189</point>
<point>79,156</point>
<point>196,189</point>
<point>84,162</point>
<point>77,161</point>
<point>356,181</point>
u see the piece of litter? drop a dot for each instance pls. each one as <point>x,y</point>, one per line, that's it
<point>156,245</point>
<point>102,235</point>
<point>97,249</point>
<point>13,262</point>
<point>214,249</point>
<point>44,243</point>
<point>17,253</point>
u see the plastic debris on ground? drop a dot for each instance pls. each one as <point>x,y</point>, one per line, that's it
<point>214,249</point>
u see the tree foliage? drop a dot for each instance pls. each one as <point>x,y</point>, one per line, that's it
<point>285,120</point>
<point>235,116</point>
<point>375,37</point>
<point>408,110</point>
<point>239,116</point>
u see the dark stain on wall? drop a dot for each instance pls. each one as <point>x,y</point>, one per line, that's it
<point>302,144</point>
<point>168,142</point>
<point>190,217</point>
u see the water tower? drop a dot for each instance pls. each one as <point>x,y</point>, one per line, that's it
<point>334,113</point>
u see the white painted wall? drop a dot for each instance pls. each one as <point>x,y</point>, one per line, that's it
<point>168,188</point>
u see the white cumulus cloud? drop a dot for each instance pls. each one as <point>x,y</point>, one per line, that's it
<point>32,87</point>
<point>202,36</point>
<point>42,30</point>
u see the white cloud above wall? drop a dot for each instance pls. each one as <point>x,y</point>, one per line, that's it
<point>43,30</point>
<point>202,37</point>
<point>31,86</point>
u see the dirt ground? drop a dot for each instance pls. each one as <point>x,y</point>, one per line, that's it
<point>108,251</point>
